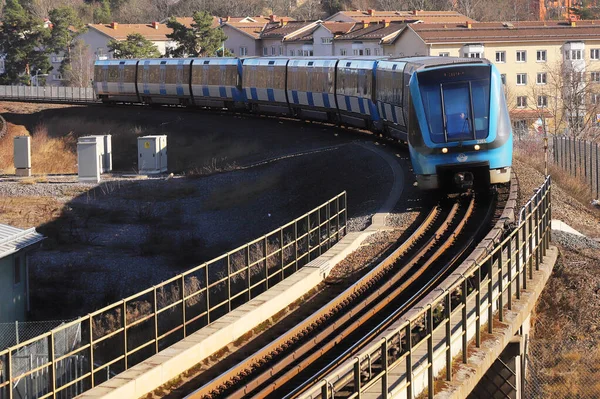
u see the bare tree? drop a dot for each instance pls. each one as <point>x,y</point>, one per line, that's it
<point>567,99</point>
<point>81,71</point>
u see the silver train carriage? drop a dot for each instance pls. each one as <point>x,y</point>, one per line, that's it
<point>114,80</point>
<point>355,88</point>
<point>164,81</point>
<point>311,88</point>
<point>216,82</point>
<point>264,84</point>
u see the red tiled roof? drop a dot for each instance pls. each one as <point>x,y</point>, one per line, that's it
<point>154,31</point>
<point>404,16</point>
<point>374,31</point>
<point>276,30</point>
<point>505,31</point>
<point>252,29</point>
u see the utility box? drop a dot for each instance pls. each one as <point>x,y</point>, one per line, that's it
<point>22,155</point>
<point>152,154</point>
<point>89,158</point>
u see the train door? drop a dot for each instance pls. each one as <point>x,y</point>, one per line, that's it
<point>146,77</point>
<point>180,78</point>
<point>121,79</point>
<point>162,78</point>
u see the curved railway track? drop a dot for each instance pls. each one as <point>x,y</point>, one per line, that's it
<point>348,322</point>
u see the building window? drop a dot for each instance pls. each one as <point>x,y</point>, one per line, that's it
<point>444,54</point>
<point>595,98</point>
<point>367,51</point>
<point>503,78</point>
<point>595,53</point>
<point>243,51</point>
<point>595,77</point>
<point>473,55</point>
<point>541,78</point>
<point>57,76</point>
<point>280,50</point>
<point>521,79</point>
<point>265,51</point>
<point>327,40</point>
<point>521,56</point>
<point>542,101</point>
<point>501,56</point>
<point>521,102</point>
<point>358,51</point>
<point>342,51</point>
<point>291,53</point>
<point>376,51</point>
<point>17,270</point>
<point>272,50</point>
<point>573,54</point>
<point>541,56</point>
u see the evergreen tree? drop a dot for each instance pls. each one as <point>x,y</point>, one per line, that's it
<point>136,46</point>
<point>66,24</point>
<point>102,14</point>
<point>586,10</point>
<point>199,40</point>
<point>22,39</point>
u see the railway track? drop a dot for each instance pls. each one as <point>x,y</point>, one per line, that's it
<point>342,327</point>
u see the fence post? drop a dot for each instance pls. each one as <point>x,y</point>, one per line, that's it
<point>248,270</point>
<point>183,316</point>
<point>208,292</point>
<point>597,173</point>
<point>266,254</point>
<point>52,369</point>
<point>17,331</point>
<point>124,323</point>
<point>155,321</point>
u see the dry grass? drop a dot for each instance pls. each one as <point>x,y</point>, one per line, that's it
<point>53,155</point>
<point>532,153</point>
<point>48,154</point>
<point>25,212</point>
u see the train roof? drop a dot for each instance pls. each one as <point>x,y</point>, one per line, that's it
<point>428,62</point>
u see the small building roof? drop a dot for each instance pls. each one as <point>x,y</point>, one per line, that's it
<point>279,30</point>
<point>251,29</point>
<point>154,31</point>
<point>188,21</point>
<point>489,32</point>
<point>13,239</point>
<point>374,31</point>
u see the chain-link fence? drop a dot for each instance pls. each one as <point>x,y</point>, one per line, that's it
<point>562,370</point>
<point>19,331</point>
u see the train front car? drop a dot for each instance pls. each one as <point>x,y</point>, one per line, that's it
<point>459,131</point>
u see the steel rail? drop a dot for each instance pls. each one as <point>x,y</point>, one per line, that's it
<point>237,373</point>
<point>352,351</point>
<point>326,311</point>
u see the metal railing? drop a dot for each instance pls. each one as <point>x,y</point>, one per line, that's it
<point>580,158</point>
<point>116,337</point>
<point>48,93</point>
<point>407,358</point>
<point>3,127</point>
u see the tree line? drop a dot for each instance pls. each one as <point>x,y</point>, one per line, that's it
<point>27,41</point>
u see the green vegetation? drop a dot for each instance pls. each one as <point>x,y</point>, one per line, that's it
<point>202,39</point>
<point>136,46</point>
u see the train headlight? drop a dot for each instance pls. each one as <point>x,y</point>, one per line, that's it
<point>477,147</point>
<point>444,150</point>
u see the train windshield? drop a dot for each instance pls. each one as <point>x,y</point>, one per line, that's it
<point>456,103</point>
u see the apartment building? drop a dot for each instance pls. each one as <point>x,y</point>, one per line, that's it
<point>533,57</point>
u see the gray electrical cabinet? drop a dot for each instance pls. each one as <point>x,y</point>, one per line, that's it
<point>22,155</point>
<point>89,158</point>
<point>152,154</point>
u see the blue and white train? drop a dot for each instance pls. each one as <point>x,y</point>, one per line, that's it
<point>450,111</point>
